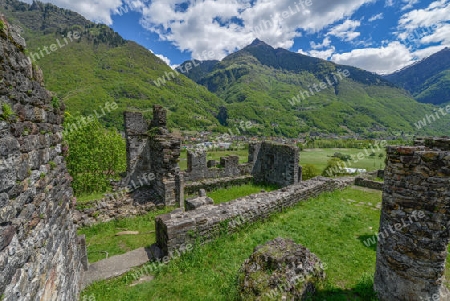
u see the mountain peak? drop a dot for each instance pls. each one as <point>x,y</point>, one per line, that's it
<point>258,42</point>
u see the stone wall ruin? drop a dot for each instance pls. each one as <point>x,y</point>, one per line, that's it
<point>275,163</point>
<point>206,222</point>
<point>41,257</point>
<point>415,222</point>
<point>152,150</point>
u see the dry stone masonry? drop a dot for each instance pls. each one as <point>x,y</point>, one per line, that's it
<point>280,270</point>
<point>275,163</point>
<point>152,150</point>
<point>40,256</point>
<point>199,168</point>
<point>153,177</point>
<point>414,223</point>
<point>207,222</point>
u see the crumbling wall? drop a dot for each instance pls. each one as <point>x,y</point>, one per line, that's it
<point>414,223</point>
<point>138,155</point>
<point>116,205</point>
<point>359,181</point>
<point>40,257</point>
<point>151,149</point>
<point>204,224</point>
<point>199,168</point>
<point>275,163</point>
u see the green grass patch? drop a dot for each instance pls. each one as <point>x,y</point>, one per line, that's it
<point>331,226</point>
<point>101,239</point>
<point>232,193</point>
<point>320,156</point>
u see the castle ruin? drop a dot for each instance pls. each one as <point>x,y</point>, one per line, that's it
<point>415,222</point>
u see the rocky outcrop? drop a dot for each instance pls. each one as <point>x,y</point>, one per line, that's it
<point>280,270</point>
<point>39,254</point>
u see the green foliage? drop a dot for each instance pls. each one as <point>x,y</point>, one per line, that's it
<point>7,112</point>
<point>102,67</point>
<point>334,165</point>
<point>95,155</point>
<point>341,156</point>
<point>309,171</point>
<point>55,102</point>
<point>2,25</point>
<point>258,84</point>
<point>52,165</point>
<point>428,80</point>
<point>338,143</point>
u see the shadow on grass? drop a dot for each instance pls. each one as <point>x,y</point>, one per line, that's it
<point>368,241</point>
<point>362,291</point>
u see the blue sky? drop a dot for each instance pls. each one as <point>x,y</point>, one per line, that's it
<point>377,35</point>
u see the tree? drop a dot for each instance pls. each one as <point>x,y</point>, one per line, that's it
<point>94,156</point>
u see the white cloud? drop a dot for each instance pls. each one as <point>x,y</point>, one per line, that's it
<point>379,16</point>
<point>323,54</point>
<point>100,10</point>
<point>437,12</point>
<point>209,26</point>
<point>383,60</point>
<point>409,4</point>
<point>346,30</point>
<point>196,28</point>
<point>326,43</point>
<point>425,26</point>
<point>164,59</point>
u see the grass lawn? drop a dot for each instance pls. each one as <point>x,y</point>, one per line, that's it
<point>232,193</point>
<point>320,156</point>
<point>101,239</point>
<point>333,226</point>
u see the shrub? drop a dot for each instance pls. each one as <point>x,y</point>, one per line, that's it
<point>2,25</point>
<point>343,157</point>
<point>309,171</point>
<point>333,168</point>
<point>94,155</point>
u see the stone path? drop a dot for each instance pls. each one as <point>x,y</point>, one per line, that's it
<point>116,265</point>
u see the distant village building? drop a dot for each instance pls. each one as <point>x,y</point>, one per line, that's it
<point>353,170</point>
